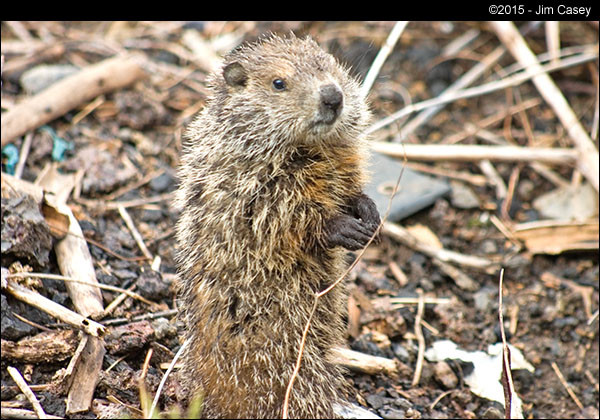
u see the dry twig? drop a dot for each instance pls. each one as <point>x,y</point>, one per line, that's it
<point>510,405</point>
<point>383,53</point>
<point>83,86</point>
<point>165,376</point>
<point>55,310</point>
<point>466,153</point>
<point>364,363</point>
<point>566,385</point>
<point>37,407</point>
<point>135,233</point>
<point>590,54</point>
<point>401,234</point>
<point>70,279</point>
<point>588,162</point>
<point>420,340</point>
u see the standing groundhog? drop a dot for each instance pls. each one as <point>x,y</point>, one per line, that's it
<point>271,193</point>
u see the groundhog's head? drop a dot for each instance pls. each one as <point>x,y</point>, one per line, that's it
<point>288,89</point>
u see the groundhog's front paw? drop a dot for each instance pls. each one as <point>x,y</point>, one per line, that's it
<point>364,208</point>
<point>348,232</point>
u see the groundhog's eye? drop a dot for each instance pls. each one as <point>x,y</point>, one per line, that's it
<point>278,84</point>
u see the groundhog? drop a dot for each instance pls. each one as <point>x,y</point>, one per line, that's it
<point>271,182</point>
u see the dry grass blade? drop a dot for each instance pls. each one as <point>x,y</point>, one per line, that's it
<point>565,384</point>
<point>135,233</point>
<point>461,152</point>
<point>144,397</point>
<point>165,376</point>
<point>37,407</point>
<point>402,235</point>
<point>70,279</point>
<point>420,340</point>
<point>588,154</point>
<point>55,310</point>
<point>511,81</point>
<point>512,407</point>
<point>383,53</point>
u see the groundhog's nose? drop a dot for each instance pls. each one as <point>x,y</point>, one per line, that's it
<point>332,101</point>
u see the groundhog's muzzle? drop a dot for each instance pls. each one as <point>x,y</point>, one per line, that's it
<point>331,103</point>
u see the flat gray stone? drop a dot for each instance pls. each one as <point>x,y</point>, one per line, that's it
<point>416,190</point>
<point>40,77</point>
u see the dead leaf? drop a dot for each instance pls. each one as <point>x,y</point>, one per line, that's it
<point>555,237</point>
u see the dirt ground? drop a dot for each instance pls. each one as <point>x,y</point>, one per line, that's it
<point>125,144</point>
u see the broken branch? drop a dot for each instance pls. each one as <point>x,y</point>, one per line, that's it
<point>105,76</point>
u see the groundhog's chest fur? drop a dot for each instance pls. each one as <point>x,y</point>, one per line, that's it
<point>271,179</point>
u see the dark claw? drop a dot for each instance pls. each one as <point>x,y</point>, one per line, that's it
<point>363,207</point>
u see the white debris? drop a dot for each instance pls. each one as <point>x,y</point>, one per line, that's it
<point>487,369</point>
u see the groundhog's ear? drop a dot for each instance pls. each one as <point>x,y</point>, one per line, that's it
<point>235,74</point>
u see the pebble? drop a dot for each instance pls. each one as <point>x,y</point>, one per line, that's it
<point>151,285</point>
<point>488,246</point>
<point>25,233</point>
<point>376,400</point>
<point>392,413</point>
<point>129,338</point>
<point>40,77</point>
<point>152,215</point>
<point>402,403</point>
<point>483,298</point>
<point>444,374</point>
<point>12,327</point>
<point>568,203</point>
<point>400,352</point>
<point>463,197</point>
<point>163,328</point>
<point>162,183</point>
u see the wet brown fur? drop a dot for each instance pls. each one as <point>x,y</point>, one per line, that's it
<point>258,181</point>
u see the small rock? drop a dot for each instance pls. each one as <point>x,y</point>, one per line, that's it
<point>392,413</point>
<point>163,328</point>
<point>579,203</point>
<point>483,298</point>
<point>413,414</point>
<point>40,77</point>
<point>162,183</point>
<point>376,400</point>
<point>400,352</point>
<point>152,215</point>
<point>492,413</point>
<point>526,188</point>
<point>463,197</point>
<point>488,247</point>
<point>103,171</point>
<point>151,285</point>
<point>138,112</point>
<point>444,374</point>
<point>12,327</point>
<point>129,338</point>
<point>124,274</point>
<point>402,403</point>
<point>25,233</point>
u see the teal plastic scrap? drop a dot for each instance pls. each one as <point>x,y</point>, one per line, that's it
<point>12,158</point>
<point>59,145</point>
